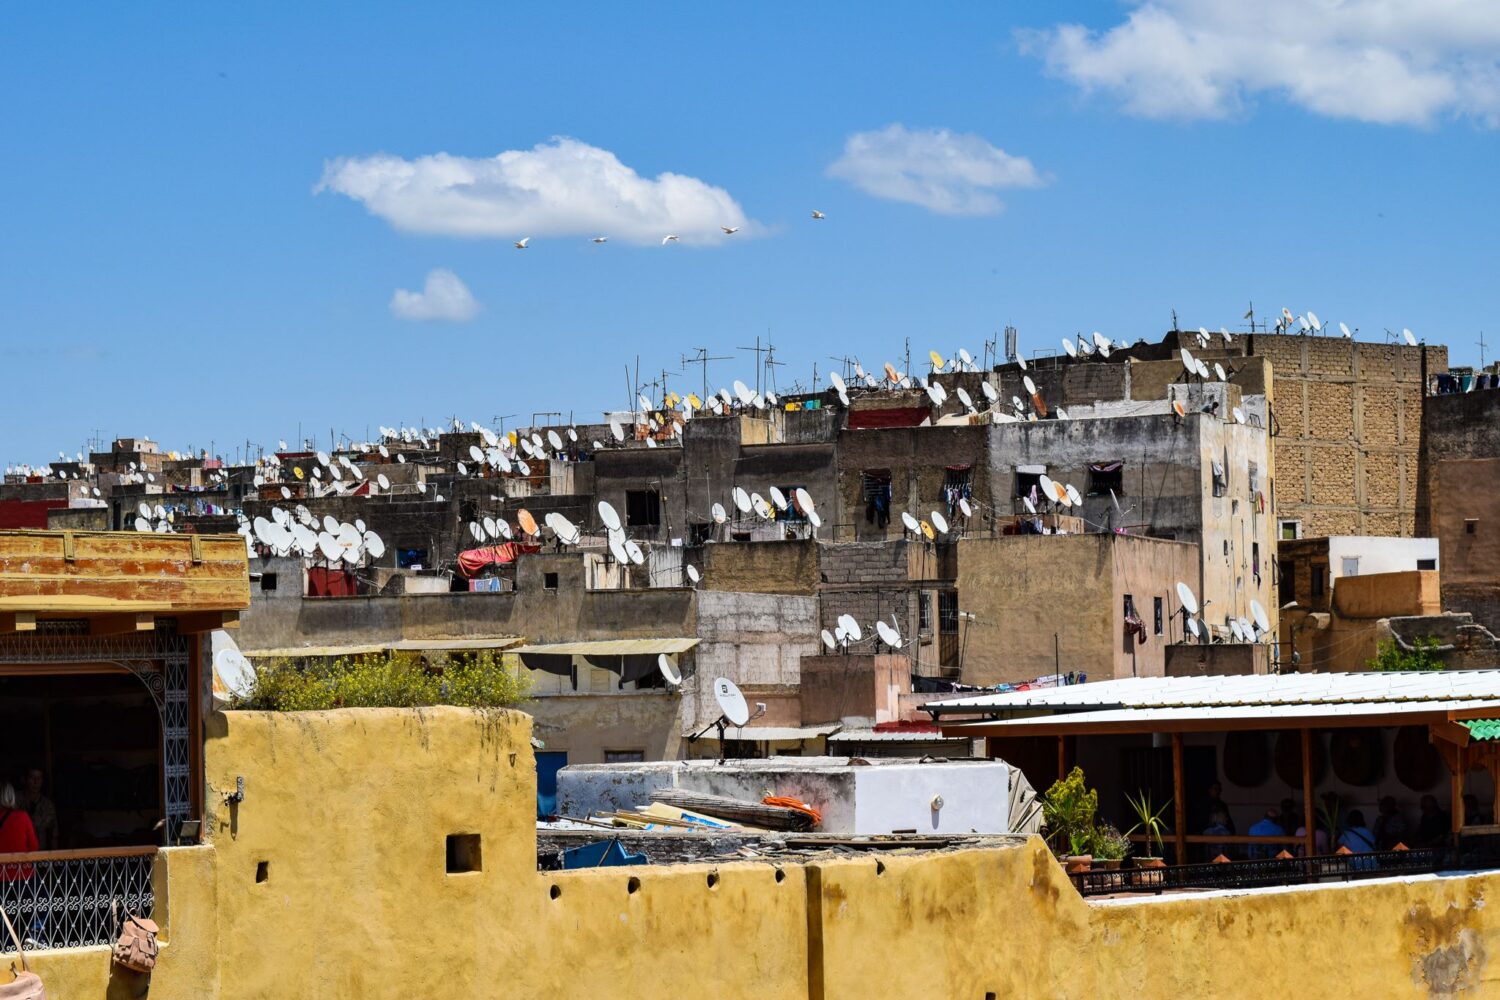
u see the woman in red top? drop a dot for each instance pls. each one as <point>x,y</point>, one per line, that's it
<point>17,835</point>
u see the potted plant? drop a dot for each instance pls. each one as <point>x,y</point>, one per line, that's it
<point>1109,847</point>
<point>1068,810</point>
<point>1151,821</point>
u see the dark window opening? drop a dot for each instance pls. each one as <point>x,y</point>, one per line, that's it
<point>699,532</point>
<point>1288,572</point>
<point>463,853</point>
<point>1426,564</point>
<point>875,494</point>
<point>957,485</point>
<point>1129,605</point>
<point>262,871</point>
<point>948,612</point>
<point>642,508</point>
<point>791,513</point>
<point>1316,578</point>
<point>411,558</point>
<point>468,511</point>
<point>1220,480</point>
<point>1471,525</point>
<point>624,756</point>
<point>268,581</point>
<point>549,581</point>
<point>924,613</point>
<point>1028,484</point>
<point>1156,609</point>
<point>1107,476</point>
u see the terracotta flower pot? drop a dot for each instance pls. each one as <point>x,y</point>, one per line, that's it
<point>1078,863</point>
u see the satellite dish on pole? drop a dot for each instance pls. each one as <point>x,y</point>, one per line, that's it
<point>608,515</point>
<point>731,701</point>
<point>888,635</point>
<point>232,671</point>
<point>1185,595</point>
<point>669,671</point>
<point>1192,624</point>
<point>1259,614</point>
<point>828,639</point>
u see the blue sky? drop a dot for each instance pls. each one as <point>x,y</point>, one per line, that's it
<point>169,266</point>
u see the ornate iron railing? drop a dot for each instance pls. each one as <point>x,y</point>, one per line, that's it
<point>63,899</point>
<point>1260,873</point>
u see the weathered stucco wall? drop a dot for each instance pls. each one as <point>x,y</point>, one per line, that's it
<point>349,811</point>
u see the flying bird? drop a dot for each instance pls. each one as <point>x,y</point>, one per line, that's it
<point>818,215</point>
<point>730,230</point>
<point>600,239</point>
<point>521,244</point>
<point>669,239</point>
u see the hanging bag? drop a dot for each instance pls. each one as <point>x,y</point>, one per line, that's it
<point>27,985</point>
<point>136,948</point>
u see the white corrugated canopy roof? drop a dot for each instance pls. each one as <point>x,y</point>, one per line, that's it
<point>609,647</point>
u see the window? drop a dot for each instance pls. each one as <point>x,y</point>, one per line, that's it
<point>1220,480</point>
<point>1105,477</point>
<point>549,581</point>
<point>1290,530</point>
<point>1349,566</point>
<point>262,871</point>
<point>1028,483</point>
<point>875,494</point>
<point>1426,564</point>
<point>1288,571</point>
<point>791,513</point>
<point>956,486</point>
<point>948,612</point>
<point>468,511</point>
<point>1471,525</point>
<point>624,756</point>
<point>642,508</point>
<point>1319,572</point>
<point>1254,479</point>
<point>268,581</point>
<point>1157,613</point>
<point>1129,605</point>
<point>924,613</point>
<point>463,853</point>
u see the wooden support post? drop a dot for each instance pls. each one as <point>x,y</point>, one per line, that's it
<point>1179,800</point>
<point>1062,758</point>
<point>1460,768</point>
<point>206,621</point>
<point>1309,816</point>
<point>121,624</point>
<point>19,621</point>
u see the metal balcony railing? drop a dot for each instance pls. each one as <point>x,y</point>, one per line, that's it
<point>63,899</point>
<point>1262,872</point>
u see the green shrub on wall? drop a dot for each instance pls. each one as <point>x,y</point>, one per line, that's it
<point>386,680</point>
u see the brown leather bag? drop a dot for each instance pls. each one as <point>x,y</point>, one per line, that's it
<point>136,948</point>
<point>27,985</point>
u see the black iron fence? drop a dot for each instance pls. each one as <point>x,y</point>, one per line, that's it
<point>1262,872</point>
<point>63,899</point>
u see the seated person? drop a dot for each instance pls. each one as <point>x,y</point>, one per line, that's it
<point>1219,826</point>
<point>1390,825</point>
<point>1358,838</point>
<point>1473,815</point>
<point>1433,826</point>
<point>1267,826</point>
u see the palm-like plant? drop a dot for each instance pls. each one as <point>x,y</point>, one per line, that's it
<point>1149,820</point>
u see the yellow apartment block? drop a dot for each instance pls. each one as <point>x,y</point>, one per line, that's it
<point>330,879</point>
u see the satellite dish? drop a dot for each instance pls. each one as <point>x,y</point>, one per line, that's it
<point>741,499</point>
<point>940,522</point>
<point>1188,361</point>
<point>141,524</point>
<point>1021,361</point>
<point>1344,329</point>
<point>617,430</point>
<point>777,497</point>
<point>143,509</point>
<point>477,454</point>
<point>1192,625</point>
<point>618,550</point>
<point>837,381</point>
<point>463,470</point>
<point>744,392</point>
<point>828,640</point>
<point>1047,486</point>
<point>849,626</point>
<point>555,440</point>
<point>1030,385</point>
<point>759,505</point>
<point>888,635</point>
<point>527,522</point>
<point>1030,507</point>
<point>1185,595</point>
<point>731,702</point>
<point>1114,500</point>
<point>328,546</point>
<point>382,481</point>
<point>1202,369</point>
<point>477,531</point>
<point>927,531</point>
<point>1239,415</point>
<point>489,527</point>
<point>1219,371</point>
<point>1073,496</point>
<point>608,516</point>
<point>503,526</point>
<point>1178,408</point>
<point>635,552</point>
<point>804,501</point>
<point>719,514</point>
<point>935,393</point>
<point>1259,614</point>
<point>990,392</point>
<point>1409,337</point>
<point>384,451</point>
<point>523,468</point>
<point>1246,629</point>
<point>668,669</point>
<point>1234,630</point>
<point>910,522</point>
<point>1312,319</point>
<point>693,575</point>
<point>232,671</point>
<point>1101,341</point>
<point>401,459</point>
<point>963,505</point>
<point>815,519</point>
<point>843,397</point>
<point>286,494</point>
<point>937,360</point>
<point>573,434</point>
<point>1069,347</point>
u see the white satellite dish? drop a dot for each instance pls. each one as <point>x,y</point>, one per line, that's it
<point>1030,385</point>
<point>910,522</point>
<point>1234,630</point>
<point>1409,337</point>
<point>489,527</point>
<point>382,481</point>
<point>401,459</point>
<point>1202,369</point>
<point>143,509</point>
<point>744,392</point>
<point>990,393</point>
<point>731,702</point>
<point>1246,629</point>
<point>963,505</point>
<point>476,531</point>
<point>634,551</point>
<point>815,519</point>
<point>741,500</point>
<point>555,440</point>
<point>328,546</point>
<point>233,672</point>
<point>964,397</point>
<point>1239,415</point>
<point>1188,361</point>
<point>1313,321</point>
<point>935,393</point>
<point>940,522</point>
<point>804,501</point>
<point>1185,595</point>
<point>618,550</point>
<point>828,639</point>
<point>1074,498</point>
<point>477,454</point>
<point>1047,486</point>
<point>1219,371</point>
<point>617,430</point>
<point>1069,347</point>
<point>888,635</point>
<point>1030,507</point>
<point>463,470</point>
<point>669,671</point>
<point>693,574</point>
<point>286,493</point>
<point>1259,614</point>
<point>851,628</point>
<point>837,381</point>
<point>330,524</point>
<point>719,514</point>
<point>608,516</point>
<point>1192,625</point>
<point>1344,329</point>
<point>777,497</point>
<point>141,524</point>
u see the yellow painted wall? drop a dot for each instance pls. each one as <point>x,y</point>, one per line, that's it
<point>350,810</point>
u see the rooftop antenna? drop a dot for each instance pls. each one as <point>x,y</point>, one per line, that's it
<point>771,365</point>
<point>1012,344</point>
<point>702,357</point>
<point>1250,315</point>
<point>1174,320</point>
<point>758,351</point>
<point>1481,348</point>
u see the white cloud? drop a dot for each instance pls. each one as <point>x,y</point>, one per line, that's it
<point>559,188</point>
<point>443,297</point>
<point>952,173</point>
<point>1408,62</point>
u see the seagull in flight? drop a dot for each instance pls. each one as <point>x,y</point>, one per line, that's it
<point>818,215</point>
<point>730,230</point>
<point>521,244</point>
<point>669,239</point>
<point>600,239</point>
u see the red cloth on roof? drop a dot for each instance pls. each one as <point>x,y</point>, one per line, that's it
<point>897,416</point>
<point>324,582</point>
<point>472,561</point>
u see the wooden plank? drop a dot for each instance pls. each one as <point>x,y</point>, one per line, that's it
<point>1179,800</point>
<point>1309,815</point>
<point>121,624</point>
<point>206,621</point>
<point>18,621</point>
<point>79,855</point>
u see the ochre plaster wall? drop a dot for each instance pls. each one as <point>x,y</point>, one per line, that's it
<point>350,810</point>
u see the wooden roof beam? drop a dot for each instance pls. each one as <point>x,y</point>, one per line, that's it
<point>126,624</point>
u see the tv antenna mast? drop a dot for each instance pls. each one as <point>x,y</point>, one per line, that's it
<point>702,357</point>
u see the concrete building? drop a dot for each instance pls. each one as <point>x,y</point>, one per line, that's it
<point>1461,498</point>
